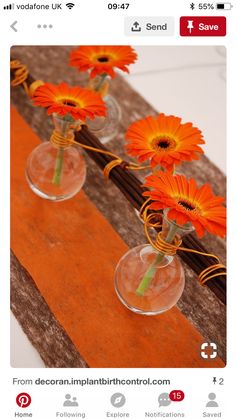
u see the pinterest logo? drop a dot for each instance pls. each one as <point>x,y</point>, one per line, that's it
<point>23,400</point>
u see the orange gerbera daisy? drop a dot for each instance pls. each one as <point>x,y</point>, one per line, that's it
<point>164,140</point>
<point>187,203</point>
<point>103,59</point>
<point>75,101</point>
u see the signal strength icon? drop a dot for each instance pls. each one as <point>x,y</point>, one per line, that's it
<point>9,7</point>
<point>70,5</point>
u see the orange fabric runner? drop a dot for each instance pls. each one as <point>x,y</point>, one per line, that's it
<point>71,252</point>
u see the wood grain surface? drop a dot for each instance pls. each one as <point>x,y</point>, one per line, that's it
<point>38,322</point>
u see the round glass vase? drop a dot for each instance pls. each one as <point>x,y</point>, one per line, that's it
<point>106,128</point>
<point>147,281</point>
<point>53,172</point>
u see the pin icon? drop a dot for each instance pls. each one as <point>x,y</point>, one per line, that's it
<point>190,26</point>
<point>23,400</point>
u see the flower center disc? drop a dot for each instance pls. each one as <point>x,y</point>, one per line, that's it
<point>163,143</point>
<point>103,59</point>
<point>69,103</point>
<point>187,205</point>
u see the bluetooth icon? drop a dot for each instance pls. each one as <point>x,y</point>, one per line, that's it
<point>118,400</point>
<point>192,6</point>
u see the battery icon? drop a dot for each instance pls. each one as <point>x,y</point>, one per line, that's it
<point>224,6</point>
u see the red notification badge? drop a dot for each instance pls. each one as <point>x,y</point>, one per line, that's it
<point>176,395</point>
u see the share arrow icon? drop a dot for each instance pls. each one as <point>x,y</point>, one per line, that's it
<point>136,27</point>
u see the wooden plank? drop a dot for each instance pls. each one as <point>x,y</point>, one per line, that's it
<point>37,321</point>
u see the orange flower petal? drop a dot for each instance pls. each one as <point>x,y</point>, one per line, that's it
<point>164,140</point>
<point>103,59</point>
<point>62,99</point>
<point>187,203</point>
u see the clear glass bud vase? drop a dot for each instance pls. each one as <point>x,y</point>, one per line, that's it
<point>56,172</point>
<point>147,281</point>
<point>106,127</point>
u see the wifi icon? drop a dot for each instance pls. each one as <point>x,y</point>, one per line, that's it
<point>70,5</point>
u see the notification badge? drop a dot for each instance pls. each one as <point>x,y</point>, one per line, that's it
<point>23,400</point>
<point>176,395</point>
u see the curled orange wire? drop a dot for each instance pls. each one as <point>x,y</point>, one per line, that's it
<point>20,74</point>
<point>170,249</point>
<point>64,141</point>
<point>109,166</point>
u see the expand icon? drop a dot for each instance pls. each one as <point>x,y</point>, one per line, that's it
<point>208,350</point>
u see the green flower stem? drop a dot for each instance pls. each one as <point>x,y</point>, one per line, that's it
<point>58,167</point>
<point>148,277</point>
<point>144,284</point>
<point>60,156</point>
<point>100,84</point>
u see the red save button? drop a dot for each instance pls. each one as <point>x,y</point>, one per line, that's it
<point>203,26</point>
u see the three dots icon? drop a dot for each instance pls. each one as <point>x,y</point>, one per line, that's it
<point>44,26</point>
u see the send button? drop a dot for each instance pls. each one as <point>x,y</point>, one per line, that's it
<point>149,26</point>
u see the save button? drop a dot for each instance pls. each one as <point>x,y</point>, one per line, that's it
<point>203,26</point>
